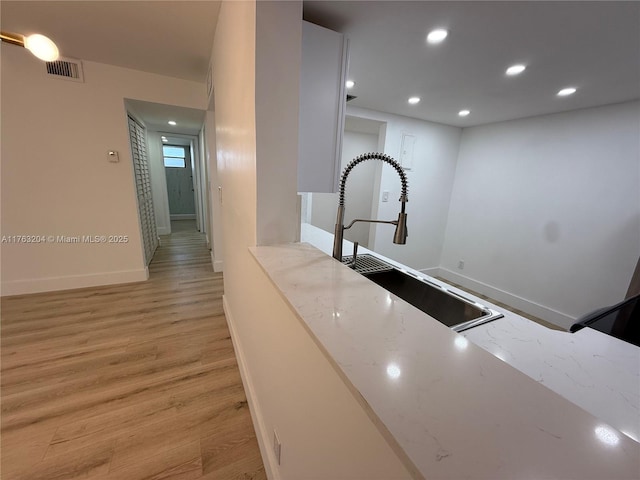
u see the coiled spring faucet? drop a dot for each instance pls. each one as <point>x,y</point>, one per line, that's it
<point>400,235</point>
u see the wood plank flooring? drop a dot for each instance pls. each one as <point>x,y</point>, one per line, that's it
<point>127,382</point>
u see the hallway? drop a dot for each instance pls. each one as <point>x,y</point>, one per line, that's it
<point>127,381</point>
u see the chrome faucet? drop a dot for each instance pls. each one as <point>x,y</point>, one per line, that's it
<point>400,235</point>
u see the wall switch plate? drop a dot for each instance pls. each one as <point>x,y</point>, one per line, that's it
<point>461,264</point>
<point>385,196</point>
<point>406,150</point>
<point>277,446</point>
<point>113,156</point>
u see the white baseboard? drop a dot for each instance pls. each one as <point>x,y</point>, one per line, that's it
<point>183,216</point>
<point>164,231</point>
<point>561,319</point>
<point>264,438</point>
<point>218,265</point>
<point>52,284</point>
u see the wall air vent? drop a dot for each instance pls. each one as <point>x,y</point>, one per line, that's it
<point>66,68</point>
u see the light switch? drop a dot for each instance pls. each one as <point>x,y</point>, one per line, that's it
<point>385,196</point>
<point>113,156</point>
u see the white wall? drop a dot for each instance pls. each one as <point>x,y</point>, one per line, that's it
<point>278,379</point>
<point>545,211</point>
<point>359,190</point>
<point>217,224</point>
<point>56,179</point>
<point>430,184</point>
<point>277,87</point>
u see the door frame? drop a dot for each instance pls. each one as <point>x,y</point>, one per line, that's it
<point>199,178</point>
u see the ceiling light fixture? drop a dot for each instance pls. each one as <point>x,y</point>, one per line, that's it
<point>350,84</point>
<point>515,70</point>
<point>41,46</point>
<point>171,122</point>
<point>464,113</point>
<point>414,100</point>
<point>566,91</point>
<point>437,36</point>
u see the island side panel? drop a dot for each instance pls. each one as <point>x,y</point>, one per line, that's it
<point>293,389</point>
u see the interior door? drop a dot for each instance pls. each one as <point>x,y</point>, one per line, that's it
<point>143,189</point>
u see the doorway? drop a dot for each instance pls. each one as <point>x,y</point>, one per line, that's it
<point>180,180</point>
<point>360,136</point>
<point>177,166</point>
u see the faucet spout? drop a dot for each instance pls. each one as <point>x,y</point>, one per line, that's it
<point>400,235</point>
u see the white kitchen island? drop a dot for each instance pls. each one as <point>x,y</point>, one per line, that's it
<point>447,407</point>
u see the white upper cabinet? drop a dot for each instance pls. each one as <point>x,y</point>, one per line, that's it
<point>325,60</point>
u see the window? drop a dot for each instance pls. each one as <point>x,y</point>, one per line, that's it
<point>174,156</point>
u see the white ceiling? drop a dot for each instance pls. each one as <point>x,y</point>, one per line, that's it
<point>171,38</point>
<point>156,117</point>
<point>594,46</point>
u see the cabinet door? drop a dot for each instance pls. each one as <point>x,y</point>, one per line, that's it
<point>323,73</point>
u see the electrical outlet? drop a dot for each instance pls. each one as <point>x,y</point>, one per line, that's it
<point>461,264</point>
<point>277,446</point>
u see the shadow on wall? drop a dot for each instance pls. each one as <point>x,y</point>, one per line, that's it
<point>552,231</point>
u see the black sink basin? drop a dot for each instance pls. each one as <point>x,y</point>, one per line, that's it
<point>446,306</point>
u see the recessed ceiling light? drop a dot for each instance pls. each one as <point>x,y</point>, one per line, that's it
<point>464,113</point>
<point>350,84</point>
<point>171,122</point>
<point>566,91</point>
<point>437,36</point>
<point>414,100</point>
<point>515,69</point>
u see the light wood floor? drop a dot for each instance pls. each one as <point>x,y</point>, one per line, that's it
<point>127,382</point>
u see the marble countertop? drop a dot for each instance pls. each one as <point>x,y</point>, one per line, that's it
<point>597,372</point>
<point>453,409</point>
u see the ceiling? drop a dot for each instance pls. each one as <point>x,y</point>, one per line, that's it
<point>171,38</point>
<point>156,117</point>
<point>594,46</point>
